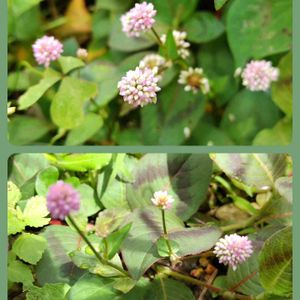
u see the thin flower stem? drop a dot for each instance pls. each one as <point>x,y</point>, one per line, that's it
<point>165,231</point>
<point>157,37</point>
<point>225,293</point>
<point>249,222</point>
<point>97,254</point>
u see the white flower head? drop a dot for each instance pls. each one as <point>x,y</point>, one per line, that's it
<point>194,80</point>
<point>162,200</point>
<point>155,62</point>
<point>82,53</point>
<point>181,43</point>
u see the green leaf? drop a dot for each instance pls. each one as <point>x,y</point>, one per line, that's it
<point>107,76</point>
<point>56,291</point>
<point>19,6</point>
<point>169,289</point>
<point>278,212</point>
<point>25,166</point>
<point>88,204</point>
<point>275,263</point>
<point>15,223</point>
<point>203,27</point>
<point>35,212</point>
<point>69,63</point>
<point>194,240</point>
<point>113,5</point>
<point>124,284</point>
<point>163,249</point>
<point>24,130</point>
<point>116,239</point>
<point>13,195</point>
<point>81,162</point>
<point>216,59</point>
<point>85,259</point>
<point>282,89</point>
<point>206,134</point>
<point>91,287</point>
<point>179,174</point>
<point>30,247</point>
<point>34,93</point>
<point>219,4</point>
<point>247,269</point>
<point>256,170</point>
<point>258,29</point>
<point>114,195</point>
<point>109,220</point>
<point>119,41</point>
<point>164,122</point>
<point>90,125</point>
<point>173,12</point>
<point>67,105</point>
<point>284,186</point>
<point>247,114</point>
<point>279,135</point>
<point>56,265</point>
<point>44,179</point>
<point>171,46</point>
<point>139,248</point>
<point>19,272</point>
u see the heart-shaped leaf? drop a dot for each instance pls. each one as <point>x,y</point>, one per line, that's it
<point>179,174</point>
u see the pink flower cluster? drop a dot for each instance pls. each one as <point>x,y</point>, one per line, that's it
<point>47,49</point>
<point>139,87</point>
<point>62,199</point>
<point>259,74</point>
<point>233,249</point>
<point>138,19</point>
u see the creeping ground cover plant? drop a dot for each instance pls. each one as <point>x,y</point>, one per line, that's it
<point>124,72</point>
<point>150,226</point>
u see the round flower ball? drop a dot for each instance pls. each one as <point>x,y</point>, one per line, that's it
<point>62,200</point>
<point>139,19</point>
<point>139,87</point>
<point>47,49</point>
<point>258,75</point>
<point>162,200</point>
<point>233,249</point>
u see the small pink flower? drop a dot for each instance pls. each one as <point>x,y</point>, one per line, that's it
<point>138,19</point>
<point>162,200</point>
<point>139,87</point>
<point>258,75</point>
<point>233,249</point>
<point>47,49</point>
<point>62,199</point>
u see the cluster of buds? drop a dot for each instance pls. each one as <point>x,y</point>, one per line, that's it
<point>258,75</point>
<point>233,249</point>
<point>139,87</point>
<point>62,200</point>
<point>47,49</point>
<point>139,19</point>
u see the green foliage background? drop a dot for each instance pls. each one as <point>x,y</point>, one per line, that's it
<point>248,194</point>
<point>55,106</point>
